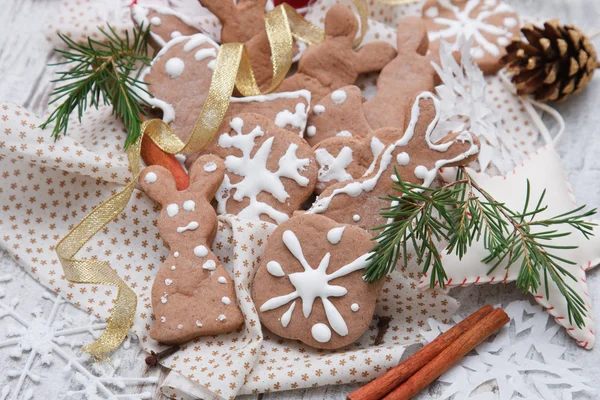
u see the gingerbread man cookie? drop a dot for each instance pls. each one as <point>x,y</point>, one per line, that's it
<point>192,294</point>
<point>269,172</point>
<point>340,113</point>
<point>333,64</point>
<point>407,75</point>
<point>310,284</point>
<point>490,23</point>
<point>416,158</point>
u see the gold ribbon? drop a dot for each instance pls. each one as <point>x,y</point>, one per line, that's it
<point>232,68</point>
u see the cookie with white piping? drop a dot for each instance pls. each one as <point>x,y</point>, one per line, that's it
<point>417,159</point>
<point>269,172</point>
<point>340,113</point>
<point>192,294</point>
<point>310,283</point>
<point>491,24</point>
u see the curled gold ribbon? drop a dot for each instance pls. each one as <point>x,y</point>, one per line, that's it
<point>232,68</point>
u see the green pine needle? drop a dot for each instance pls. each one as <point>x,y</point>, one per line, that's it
<point>463,212</point>
<point>101,73</point>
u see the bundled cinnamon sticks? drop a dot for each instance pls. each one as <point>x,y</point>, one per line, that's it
<point>417,372</point>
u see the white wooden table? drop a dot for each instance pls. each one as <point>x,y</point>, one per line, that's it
<point>25,80</point>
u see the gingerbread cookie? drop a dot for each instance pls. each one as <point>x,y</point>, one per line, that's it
<point>416,158</point>
<point>490,23</point>
<point>180,76</point>
<point>333,64</point>
<point>192,293</point>
<point>340,113</point>
<point>269,172</point>
<point>407,75</point>
<point>310,284</point>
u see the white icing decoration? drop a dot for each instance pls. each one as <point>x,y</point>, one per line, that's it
<point>203,54</point>
<point>377,147</point>
<point>510,22</point>
<point>176,254</point>
<point>287,316</point>
<point>502,41</point>
<point>168,282</point>
<point>421,172</point>
<point>210,265</point>
<point>338,96</point>
<point>296,119</point>
<point>222,279</point>
<point>189,205</point>
<point>333,168</point>
<point>311,131</point>
<point>321,333</point>
<point>172,210</point>
<point>200,251</point>
<point>192,226</point>
<point>314,283</point>
<point>210,167</point>
<point>226,300</point>
<point>344,134</point>
<point>466,25</point>
<point>163,319</point>
<point>319,109</point>
<point>179,326</point>
<point>221,317</point>
<point>477,52</point>
<point>173,268</point>
<point>274,268</point>
<point>355,307</point>
<point>211,64</point>
<point>356,217</point>
<point>198,324</point>
<point>174,67</point>
<point>163,298</point>
<point>403,159</point>
<point>355,188</point>
<point>155,21</point>
<point>150,177</point>
<point>256,177</point>
<point>175,34</point>
<point>335,235</point>
<point>432,12</point>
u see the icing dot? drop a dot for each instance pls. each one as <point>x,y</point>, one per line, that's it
<point>173,268</point>
<point>321,333</point>
<point>335,235</point>
<point>200,251</point>
<point>403,158</point>
<point>189,205</point>
<point>174,67</point>
<point>319,109</point>
<point>211,64</point>
<point>155,21</point>
<point>311,131</point>
<point>432,12</point>
<point>150,177</point>
<point>176,254</point>
<point>210,166</point>
<point>179,326</point>
<point>168,282</point>
<point>221,317</point>
<point>163,319</point>
<point>356,217</point>
<point>477,53</point>
<point>163,299</point>
<point>210,265</point>
<point>502,41</point>
<point>198,324</point>
<point>222,279</point>
<point>355,307</point>
<point>226,300</point>
<point>175,34</point>
<point>275,269</point>
<point>338,96</point>
<point>510,22</point>
<point>421,172</point>
<point>172,210</point>
<point>344,134</point>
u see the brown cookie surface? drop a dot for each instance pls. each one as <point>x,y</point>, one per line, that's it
<point>164,23</point>
<point>491,24</point>
<point>192,294</point>
<point>310,287</point>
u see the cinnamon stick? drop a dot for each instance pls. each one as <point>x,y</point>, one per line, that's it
<point>383,385</point>
<point>153,155</point>
<point>490,324</point>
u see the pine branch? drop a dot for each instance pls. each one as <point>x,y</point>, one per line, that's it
<point>463,212</point>
<point>101,73</point>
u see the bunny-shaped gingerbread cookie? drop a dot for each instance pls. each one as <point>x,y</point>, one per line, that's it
<point>333,64</point>
<point>192,294</point>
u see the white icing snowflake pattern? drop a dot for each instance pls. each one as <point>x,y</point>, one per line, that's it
<point>314,283</point>
<point>257,178</point>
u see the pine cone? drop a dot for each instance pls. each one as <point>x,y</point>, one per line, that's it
<point>554,63</point>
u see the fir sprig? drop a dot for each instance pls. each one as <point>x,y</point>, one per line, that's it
<point>463,212</point>
<point>102,73</point>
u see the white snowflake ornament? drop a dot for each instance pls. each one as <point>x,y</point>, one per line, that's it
<point>544,171</point>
